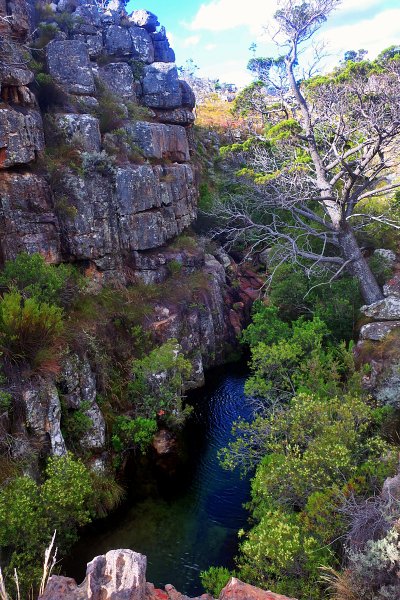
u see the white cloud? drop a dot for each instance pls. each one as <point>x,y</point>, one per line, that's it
<point>357,5</point>
<point>210,47</point>
<point>192,40</point>
<point>373,34</point>
<point>223,15</point>
<point>171,38</point>
<point>228,71</point>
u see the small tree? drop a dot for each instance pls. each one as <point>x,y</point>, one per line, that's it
<point>331,145</point>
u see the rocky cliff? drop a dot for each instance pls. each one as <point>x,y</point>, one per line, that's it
<point>96,170</point>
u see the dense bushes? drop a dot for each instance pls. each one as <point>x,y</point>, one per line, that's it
<point>34,278</point>
<point>31,308</point>
<point>315,443</point>
<point>29,330</point>
<point>29,514</point>
<point>157,383</point>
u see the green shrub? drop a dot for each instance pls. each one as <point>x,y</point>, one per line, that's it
<point>107,494</point>
<point>45,33</point>
<point>110,112</point>
<point>5,401</point>
<point>336,303</point>
<point>34,278</point>
<point>137,112</point>
<point>129,434</point>
<point>28,329</point>
<point>29,514</point>
<point>74,424</point>
<point>157,383</point>
<point>214,579</point>
<point>137,67</point>
<point>174,267</point>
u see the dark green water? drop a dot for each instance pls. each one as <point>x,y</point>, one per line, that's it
<point>188,520</point>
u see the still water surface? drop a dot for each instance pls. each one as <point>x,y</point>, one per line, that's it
<point>186,521</point>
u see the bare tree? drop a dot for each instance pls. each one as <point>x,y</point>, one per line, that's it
<point>331,147</point>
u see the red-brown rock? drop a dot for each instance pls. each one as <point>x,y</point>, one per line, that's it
<point>237,590</point>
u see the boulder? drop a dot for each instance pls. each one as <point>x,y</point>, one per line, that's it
<point>79,386</point>
<point>237,590</point>
<point>87,18</point>
<point>21,136</point>
<point>68,63</point>
<point>161,87</point>
<point>13,68</point>
<point>18,19</point>
<point>145,19</point>
<point>152,229</point>
<point>43,414</point>
<point>378,330</point>
<point>163,51</point>
<point>164,442</point>
<point>176,116</point>
<point>118,77</point>
<point>163,142</point>
<point>94,43</point>
<point>387,309</point>
<point>387,256</point>
<point>81,129</point>
<point>118,41</point>
<point>188,97</point>
<point>117,575</point>
<point>142,45</point>
<point>88,226</point>
<point>137,188</point>
<point>392,287</point>
<point>27,219</point>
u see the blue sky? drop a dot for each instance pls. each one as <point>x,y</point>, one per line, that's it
<point>217,34</point>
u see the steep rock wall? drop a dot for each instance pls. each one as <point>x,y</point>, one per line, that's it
<point>95,169</point>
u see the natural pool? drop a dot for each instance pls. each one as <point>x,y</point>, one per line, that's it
<point>187,520</point>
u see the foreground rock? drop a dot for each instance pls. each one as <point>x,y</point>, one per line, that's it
<point>237,590</point>
<point>121,575</point>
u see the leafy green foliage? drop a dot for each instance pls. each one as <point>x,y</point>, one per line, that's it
<point>34,278</point>
<point>110,112</point>
<point>157,383</point>
<point>133,433</point>
<point>5,401</point>
<point>74,424</point>
<point>314,441</point>
<point>214,579</point>
<point>298,360</point>
<point>336,303</point>
<point>29,514</point>
<point>28,329</point>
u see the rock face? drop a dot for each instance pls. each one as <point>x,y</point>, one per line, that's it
<point>68,63</point>
<point>379,341</point>
<point>96,170</point>
<point>121,575</point>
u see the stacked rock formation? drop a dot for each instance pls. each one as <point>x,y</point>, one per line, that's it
<point>113,208</point>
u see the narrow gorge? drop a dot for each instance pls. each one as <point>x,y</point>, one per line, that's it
<point>199,314</point>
